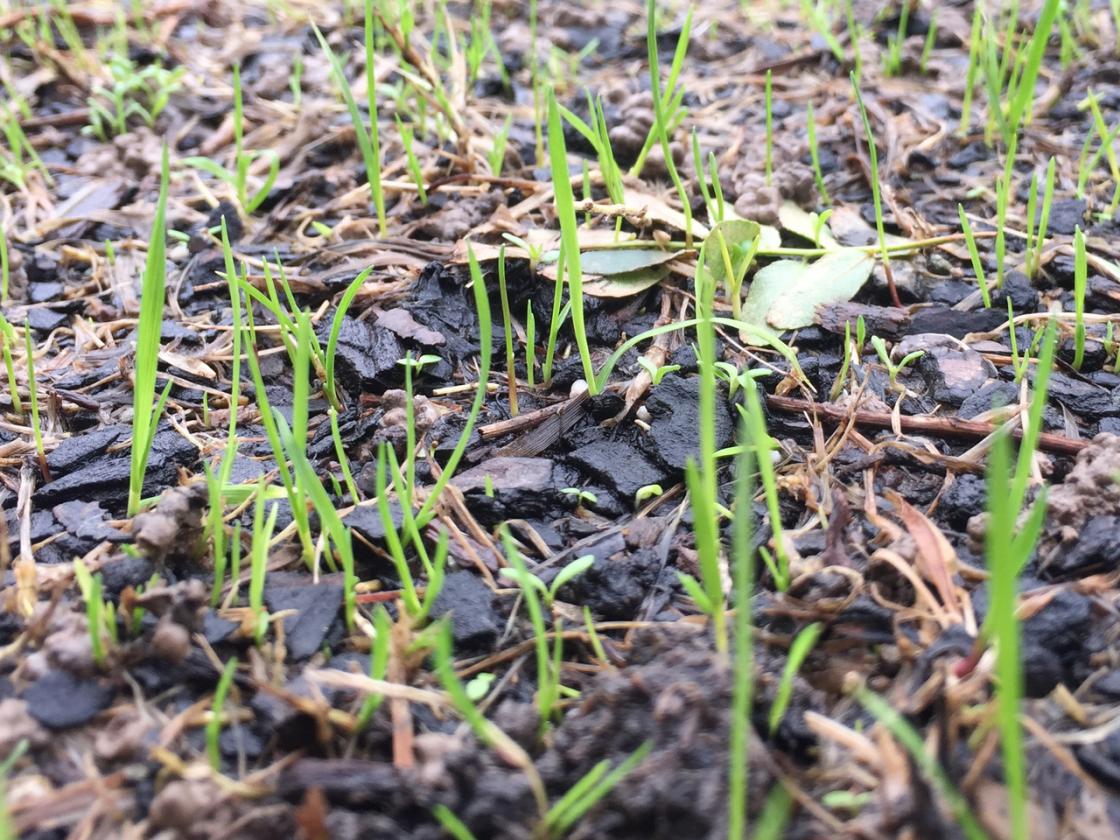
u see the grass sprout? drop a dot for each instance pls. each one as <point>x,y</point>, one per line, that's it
<point>569,236</point>
<point>742,692</point>
<point>974,257</point>
<point>904,732</point>
<point>1080,275</point>
<point>799,650</point>
<point>7,342</point>
<point>145,417</point>
<point>217,711</point>
<point>238,177</point>
<point>873,156</point>
<point>814,153</point>
<point>368,139</point>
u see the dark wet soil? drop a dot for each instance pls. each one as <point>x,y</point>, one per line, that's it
<point>118,748</point>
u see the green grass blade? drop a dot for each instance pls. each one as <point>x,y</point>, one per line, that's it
<point>147,342</point>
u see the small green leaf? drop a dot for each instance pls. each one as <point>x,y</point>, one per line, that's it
<point>569,573</point>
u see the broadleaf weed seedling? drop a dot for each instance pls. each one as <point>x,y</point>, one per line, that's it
<point>145,418</point>
<point>132,91</point>
<point>526,579</point>
<point>894,368</point>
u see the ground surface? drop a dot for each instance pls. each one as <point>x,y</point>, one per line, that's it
<point>119,749</point>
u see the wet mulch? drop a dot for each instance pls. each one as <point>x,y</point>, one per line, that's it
<point>882,494</point>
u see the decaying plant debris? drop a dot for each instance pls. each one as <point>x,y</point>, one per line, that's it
<point>419,544</point>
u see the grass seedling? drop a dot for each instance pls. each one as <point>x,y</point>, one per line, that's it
<point>5,270</point>
<point>814,154</point>
<point>7,342</point>
<point>99,614</point>
<point>892,59</point>
<point>411,366</point>
<point>589,790</point>
<point>238,177</point>
<point>343,460</point>
<point>216,484</point>
<point>408,141</point>
<point>1033,259</point>
<point>452,824</point>
<point>258,561</point>
<point>673,95</point>
<point>530,345</point>
<point>33,399</point>
<point>799,650</point>
<point>548,671</point>
<point>295,442</point>
<point>929,44</point>
<point>904,732</point>
<point>873,156</point>
<point>145,418</point>
<point>757,434</point>
<point>132,91</point>
<point>378,666</point>
<point>409,594</point>
<point>295,80</point>
<point>742,693</point>
<point>368,139</point>
<point>485,349</point>
<point>700,474</point>
<point>484,730</point>
<point>496,157</point>
<point>661,114</point>
<point>845,366</point>
<point>507,325</point>
<point>329,381</point>
<point>974,60</point>
<point>894,368</point>
<point>7,829</point>
<point>569,236</point>
<point>1106,148</point>
<point>1003,195</point>
<point>818,20</point>
<point>974,256</point>
<point>769,98</point>
<point>217,710</point>
<point>1003,626</point>
<point>297,499</point>
<point>1080,275</point>
<point>1028,444</point>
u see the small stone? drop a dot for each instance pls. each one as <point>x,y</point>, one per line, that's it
<point>59,700</point>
